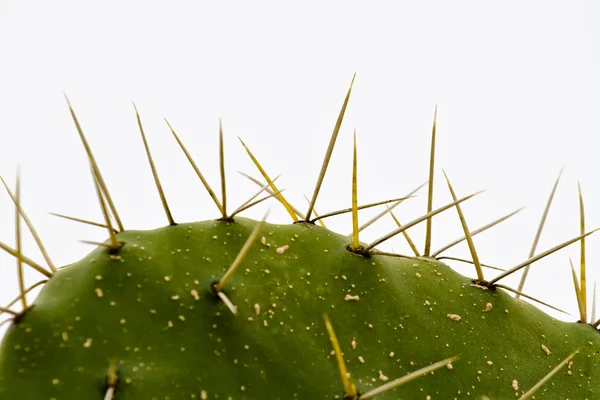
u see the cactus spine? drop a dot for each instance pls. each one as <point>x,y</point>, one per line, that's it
<point>244,309</point>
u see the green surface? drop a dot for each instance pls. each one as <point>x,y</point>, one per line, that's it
<point>150,309</point>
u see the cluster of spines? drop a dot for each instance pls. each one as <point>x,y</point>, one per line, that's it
<point>111,215</point>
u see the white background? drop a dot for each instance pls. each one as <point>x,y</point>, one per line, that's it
<point>517,85</point>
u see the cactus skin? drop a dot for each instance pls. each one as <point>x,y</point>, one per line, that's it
<point>121,308</point>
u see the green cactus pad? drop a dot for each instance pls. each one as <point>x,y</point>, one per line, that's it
<point>148,313</point>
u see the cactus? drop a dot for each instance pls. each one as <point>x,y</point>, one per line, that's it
<point>233,308</point>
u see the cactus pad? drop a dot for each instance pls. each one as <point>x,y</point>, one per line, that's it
<point>149,311</point>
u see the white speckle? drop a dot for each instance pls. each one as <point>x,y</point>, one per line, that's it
<point>427,303</point>
<point>182,318</point>
<point>257,308</point>
<point>167,278</point>
<point>263,241</point>
<point>449,366</point>
<point>382,376</point>
<point>215,237</point>
<point>454,317</point>
<point>353,344</point>
<point>55,381</point>
<point>176,297</point>
<point>194,293</point>
<point>98,277</point>
<point>515,384</point>
<point>391,354</point>
<point>65,336</point>
<point>349,297</point>
<point>545,349</point>
<point>123,321</point>
<point>488,307</point>
<point>361,359</point>
<point>418,275</point>
<point>99,292</point>
<point>88,343</point>
<point>203,395</point>
<point>282,249</point>
<point>490,363</point>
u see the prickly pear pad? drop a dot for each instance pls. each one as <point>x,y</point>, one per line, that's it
<point>150,310</point>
